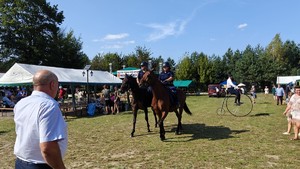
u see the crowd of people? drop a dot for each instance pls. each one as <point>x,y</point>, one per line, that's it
<point>11,95</point>
<point>46,125</point>
<point>292,100</point>
<point>110,100</point>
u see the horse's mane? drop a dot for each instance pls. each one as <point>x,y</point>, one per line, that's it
<point>129,76</point>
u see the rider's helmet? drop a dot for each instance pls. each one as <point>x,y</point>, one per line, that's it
<point>167,64</point>
<point>144,64</point>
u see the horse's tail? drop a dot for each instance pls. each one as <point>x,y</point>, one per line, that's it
<point>186,109</point>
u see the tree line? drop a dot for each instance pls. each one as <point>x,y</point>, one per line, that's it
<point>30,33</point>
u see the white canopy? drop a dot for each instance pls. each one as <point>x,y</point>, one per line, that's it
<point>287,79</point>
<point>22,74</point>
<point>241,85</point>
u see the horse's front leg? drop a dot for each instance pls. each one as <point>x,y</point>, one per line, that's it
<point>154,114</point>
<point>161,126</point>
<point>146,118</point>
<point>134,121</point>
<point>162,130</point>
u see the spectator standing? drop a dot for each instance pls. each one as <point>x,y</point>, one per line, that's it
<point>253,93</point>
<point>287,91</point>
<point>106,95</point>
<point>266,90</point>
<point>61,94</point>
<point>111,103</point>
<point>279,94</point>
<point>274,92</point>
<point>117,100</point>
<point>294,108</point>
<point>41,132</point>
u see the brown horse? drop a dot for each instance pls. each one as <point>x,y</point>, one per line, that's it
<point>141,100</point>
<point>161,101</point>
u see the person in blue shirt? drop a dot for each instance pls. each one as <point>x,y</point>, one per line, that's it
<point>279,94</point>
<point>167,79</point>
<point>6,101</point>
<point>166,76</point>
<point>144,68</point>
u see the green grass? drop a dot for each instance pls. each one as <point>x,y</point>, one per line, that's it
<point>208,140</point>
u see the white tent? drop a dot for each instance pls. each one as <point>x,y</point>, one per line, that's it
<point>129,71</point>
<point>287,79</point>
<point>22,74</point>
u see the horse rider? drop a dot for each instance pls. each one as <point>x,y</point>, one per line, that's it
<point>144,68</point>
<point>167,78</point>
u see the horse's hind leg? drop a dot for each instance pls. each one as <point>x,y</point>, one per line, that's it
<point>180,117</point>
<point>179,122</point>
<point>133,122</point>
<point>147,119</point>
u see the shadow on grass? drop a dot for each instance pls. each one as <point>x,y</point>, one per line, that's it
<point>265,102</point>
<point>3,132</point>
<point>261,114</point>
<point>201,131</point>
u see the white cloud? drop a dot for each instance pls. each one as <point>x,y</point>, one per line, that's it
<point>113,46</point>
<point>97,40</point>
<point>117,45</point>
<point>161,31</point>
<point>116,36</point>
<point>242,26</point>
<point>111,37</point>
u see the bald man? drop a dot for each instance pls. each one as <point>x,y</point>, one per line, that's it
<point>41,140</point>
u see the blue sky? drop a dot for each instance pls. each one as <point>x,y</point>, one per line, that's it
<point>170,28</point>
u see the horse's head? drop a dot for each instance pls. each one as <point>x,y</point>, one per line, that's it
<point>127,83</point>
<point>147,79</point>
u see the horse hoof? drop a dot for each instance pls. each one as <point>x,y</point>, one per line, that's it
<point>162,138</point>
<point>149,131</point>
<point>131,135</point>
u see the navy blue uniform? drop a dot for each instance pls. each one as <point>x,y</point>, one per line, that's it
<point>140,74</point>
<point>165,75</point>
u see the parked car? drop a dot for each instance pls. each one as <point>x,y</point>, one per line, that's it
<point>216,90</point>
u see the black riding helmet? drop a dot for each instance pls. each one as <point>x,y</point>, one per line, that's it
<point>144,64</point>
<point>167,64</point>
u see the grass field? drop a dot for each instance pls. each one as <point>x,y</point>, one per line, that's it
<point>208,140</point>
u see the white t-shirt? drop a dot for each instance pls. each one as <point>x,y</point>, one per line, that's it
<point>230,84</point>
<point>38,119</point>
<point>266,90</point>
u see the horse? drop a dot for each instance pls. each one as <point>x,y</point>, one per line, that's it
<point>141,100</point>
<point>161,101</point>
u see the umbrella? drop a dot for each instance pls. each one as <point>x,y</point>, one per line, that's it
<point>241,85</point>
